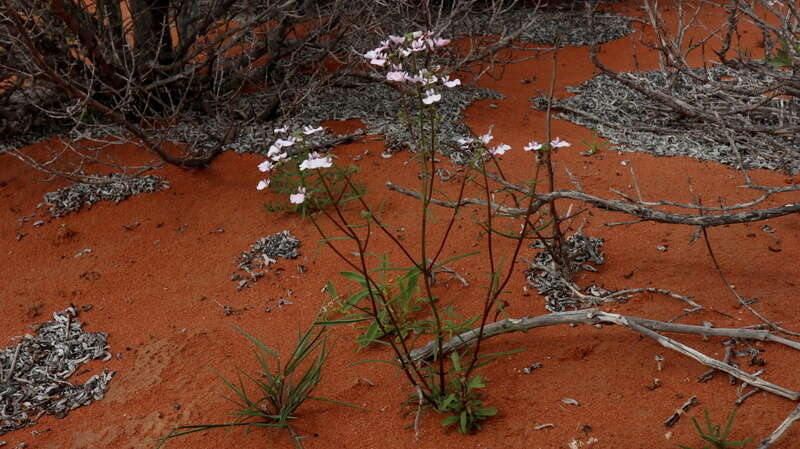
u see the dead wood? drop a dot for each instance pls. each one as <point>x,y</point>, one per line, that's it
<point>643,326</point>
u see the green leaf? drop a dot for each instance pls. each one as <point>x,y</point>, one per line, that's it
<point>447,421</point>
<point>337,402</point>
<point>486,411</point>
<point>456,359</point>
<point>256,341</point>
<point>337,322</point>
<point>499,354</point>
<point>476,382</point>
<point>354,277</point>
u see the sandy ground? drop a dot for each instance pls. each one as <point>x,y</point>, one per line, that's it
<point>157,290</point>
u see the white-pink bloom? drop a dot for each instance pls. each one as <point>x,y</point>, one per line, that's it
<point>416,34</point>
<point>417,45</point>
<point>486,138</point>
<point>316,161</point>
<point>500,149</point>
<point>265,166</point>
<point>397,39</point>
<point>308,130</point>
<point>431,97</point>
<point>558,143</point>
<point>285,143</point>
<point>416,78</point>
<point>465,141</point>
<point>282,130</point>
<point>378,61</point>
<point>262,184</point>
<point>375,53</point>
<point>274,150</point>
<point>299,197</point>
<point>398,76</point>
<point>532,146</point>
<point>441,42</point>
<point>451,83</point>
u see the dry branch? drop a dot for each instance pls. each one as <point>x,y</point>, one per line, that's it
<point>632,208</point>
<point>643,326</point>
<point>781,429</point>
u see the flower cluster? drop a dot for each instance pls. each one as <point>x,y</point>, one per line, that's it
<point>278,152</point>
<point>555,143</point>
<point>395,53</point>
<point>499,150</point>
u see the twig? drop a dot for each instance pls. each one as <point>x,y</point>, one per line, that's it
<point>418,416</point>
<point>13,366</point>
<point>672,420</point>
<point>744,397</point>
<point>439,268</point>
<point>741,300</point>
<point>779,431</point>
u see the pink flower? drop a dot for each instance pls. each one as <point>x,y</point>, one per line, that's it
<point>451,83</point>
<point>558,143</point>
<point>372,54</point>
<point>486,138</point>
<point>417,45</point>
<point>316,161</point>
<point>274,150</point>
<point>431,97</point>
<point>441,42</point>
<point>398,76</point>
<point>299,197</point>
<point>265,166</point>
<point>262,184</point>
<point>282,130</point>
<point>501,149</point>
<point>397,39</point>
<point>282,143</point>
<point>376,56</point>
<point>308,130</point>
<point>465,141</point>
<point>532,146</point>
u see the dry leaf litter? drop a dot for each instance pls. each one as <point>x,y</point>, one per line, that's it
<point>34,372</point>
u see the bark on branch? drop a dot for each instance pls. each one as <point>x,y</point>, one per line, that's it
<point>643,326</point>
<point>634,209</point>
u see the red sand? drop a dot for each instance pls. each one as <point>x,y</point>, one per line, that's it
<point>156,290</point>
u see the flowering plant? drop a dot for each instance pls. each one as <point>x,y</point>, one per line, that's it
<point>294,169</point>
<point>449,385</point>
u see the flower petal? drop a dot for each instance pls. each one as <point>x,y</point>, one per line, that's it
<point>532,146</point>
<point>500,149</point>
<point>308,130</point>
<point>265,166</point>
<point>299,197</point>
<point>431,97</point>
<point>314,161</point>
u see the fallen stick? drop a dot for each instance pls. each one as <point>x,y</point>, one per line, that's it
<point>779,431</point>
<point>643,326</point>
<point>673,419</point>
